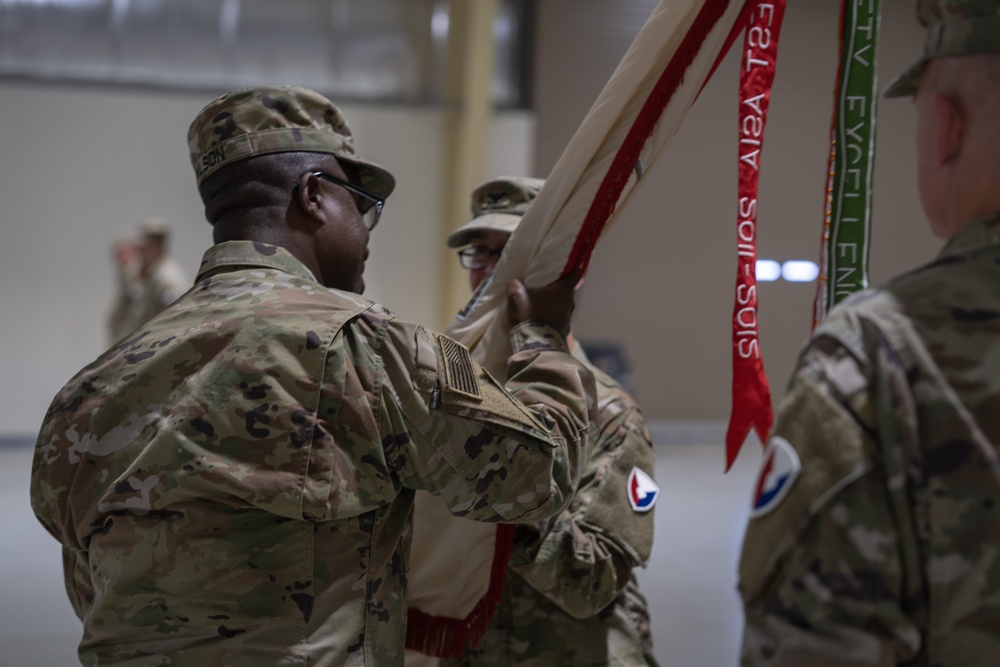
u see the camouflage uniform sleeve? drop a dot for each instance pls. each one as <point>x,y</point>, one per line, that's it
<point>48,502</point>
<point>824,572</point>
<point>492,453</point>
<point>76,575</point>
<point>582,559</point>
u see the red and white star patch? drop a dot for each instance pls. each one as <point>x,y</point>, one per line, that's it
<point>780,469</point>
<point>642,491</point>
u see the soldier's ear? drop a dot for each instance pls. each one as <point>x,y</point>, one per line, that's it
<point>310,198</point>
<point>949,125</point>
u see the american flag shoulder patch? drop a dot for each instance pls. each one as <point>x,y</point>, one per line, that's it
<point>459,371</point>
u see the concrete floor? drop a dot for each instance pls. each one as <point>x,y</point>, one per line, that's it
<point>690,582</point>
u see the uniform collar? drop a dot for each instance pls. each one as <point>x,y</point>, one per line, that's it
<point>251,254</point>
<point>982,233</point>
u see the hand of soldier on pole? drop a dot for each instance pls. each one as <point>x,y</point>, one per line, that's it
<point>552,304</point>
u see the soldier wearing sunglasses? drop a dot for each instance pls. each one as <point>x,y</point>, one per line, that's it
<point>233,482</point>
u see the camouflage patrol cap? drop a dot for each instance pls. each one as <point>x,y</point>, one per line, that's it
<point>954,28</point>
<point>497,205</point>
<point>155,227</point>
<point>256,121</point>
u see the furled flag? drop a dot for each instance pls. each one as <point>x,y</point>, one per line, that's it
<point>457,566</point>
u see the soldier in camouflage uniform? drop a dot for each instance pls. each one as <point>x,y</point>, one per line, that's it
<point>149,278</point>
<point>873,539</point>
<point>571,595</point>
<point>163,279</point>
<point>126,255</point>
<point>233,483</point>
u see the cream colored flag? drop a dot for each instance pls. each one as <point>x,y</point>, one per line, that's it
<point>639,110</point>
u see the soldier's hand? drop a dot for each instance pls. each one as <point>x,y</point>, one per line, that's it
<point>552,304</point>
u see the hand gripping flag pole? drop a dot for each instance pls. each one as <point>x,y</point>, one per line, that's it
<point>639,110</point>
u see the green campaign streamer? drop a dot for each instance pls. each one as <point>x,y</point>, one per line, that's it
<point>847,225</point>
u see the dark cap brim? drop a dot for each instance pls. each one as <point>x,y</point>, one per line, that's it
<point>490,222</point>
<point>373,177</point>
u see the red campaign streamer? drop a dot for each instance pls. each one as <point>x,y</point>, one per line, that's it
<point>751,394</point>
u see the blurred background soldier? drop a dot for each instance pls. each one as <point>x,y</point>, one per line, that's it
<point>148,278</point>
<point>163,279</point>
<point>873,537</point>
<point>126,256</point>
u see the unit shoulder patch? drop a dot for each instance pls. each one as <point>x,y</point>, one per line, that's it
<point>779,470</point>
<point>642,490</point>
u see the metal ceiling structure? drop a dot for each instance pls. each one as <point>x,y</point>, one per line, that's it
<point>384,51</point>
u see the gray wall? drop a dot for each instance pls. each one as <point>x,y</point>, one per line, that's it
<point>80,165</point>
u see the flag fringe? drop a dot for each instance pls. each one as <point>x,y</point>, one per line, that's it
<point>447,637</point>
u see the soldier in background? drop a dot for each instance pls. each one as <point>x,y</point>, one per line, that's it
<point>233,484</point>
<point>873,539</point>
<point>148,278</point>
<point>570,597</point>
<point>126,256</point>
<point>163,279</point>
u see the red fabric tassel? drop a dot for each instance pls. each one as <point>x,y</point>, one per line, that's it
<point>447,637</point>
<point>751,394</point>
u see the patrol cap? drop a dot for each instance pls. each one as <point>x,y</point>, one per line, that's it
<point>954,28</point>
<point>497,205</point>
<point>276,119</point>
<point>154,227</point>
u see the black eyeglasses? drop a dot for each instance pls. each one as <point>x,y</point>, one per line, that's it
<point>478,256</point>
<point>369,204</point>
